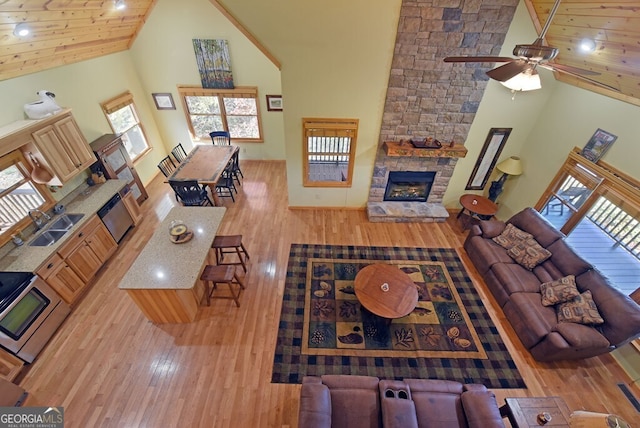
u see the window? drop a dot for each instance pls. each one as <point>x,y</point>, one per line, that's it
<point>329,151</point>
<point>18,195</point>
<point>598,207</point>
<point>123,118</point>
<point>233,110</point>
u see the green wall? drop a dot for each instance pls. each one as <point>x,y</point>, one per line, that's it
<point>336,58</point>
<point>164,58</point>
<point>546,124</point>
<point>82,87</point>
<point>568,120</point>
<point>335,63</point>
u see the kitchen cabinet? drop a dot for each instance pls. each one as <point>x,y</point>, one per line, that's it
<point>75,264</point>
<point>114,162</point>
<point>63,147</point>
<point>88,249</point>
<point>62,278</point>
<point>132,207</point>
<point>10,365</point>
<point>55,142</point>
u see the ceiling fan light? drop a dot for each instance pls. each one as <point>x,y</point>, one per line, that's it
<point>587,45</point>
<point>22,30</point>
<point>120,4</point>
<point>527,81</point>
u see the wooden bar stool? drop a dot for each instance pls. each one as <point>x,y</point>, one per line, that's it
<point>214,275</point>
<point>230,244</point>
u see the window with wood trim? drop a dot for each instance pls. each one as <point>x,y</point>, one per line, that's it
<point>123,119</point>
<point>18,195</point>
<point>233,110</point>
<point>329,151</point>
<point>598,207</point>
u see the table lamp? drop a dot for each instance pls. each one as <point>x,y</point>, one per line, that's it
<point>511,166</point>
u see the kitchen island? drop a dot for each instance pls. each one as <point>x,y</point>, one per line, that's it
<point>164,280</point>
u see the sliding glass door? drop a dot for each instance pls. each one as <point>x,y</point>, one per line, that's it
<point>598,208</point>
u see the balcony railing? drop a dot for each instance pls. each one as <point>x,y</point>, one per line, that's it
<point>622,227</point>
<point>16,205</point>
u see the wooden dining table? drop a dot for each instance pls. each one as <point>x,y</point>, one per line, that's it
<point>205,164</point>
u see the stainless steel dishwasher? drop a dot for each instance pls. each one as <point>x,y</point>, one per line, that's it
<point>115,217</point>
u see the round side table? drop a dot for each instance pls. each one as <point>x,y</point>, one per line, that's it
<point>476,206</point>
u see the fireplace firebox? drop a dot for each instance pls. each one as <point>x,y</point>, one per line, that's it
<point>409,186</point>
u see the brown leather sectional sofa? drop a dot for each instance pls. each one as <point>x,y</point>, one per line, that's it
<point>517,291</point>
<point>338,401</point>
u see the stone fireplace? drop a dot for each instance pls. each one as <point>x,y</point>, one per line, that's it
<point>429,98</point>
<point>408,186</point>
<point>403,157</point>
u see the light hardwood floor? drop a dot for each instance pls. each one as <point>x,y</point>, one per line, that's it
<point>109,366</point>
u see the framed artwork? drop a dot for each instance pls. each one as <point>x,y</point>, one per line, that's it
<point>274,102</point>
<point>598,145</point>
<point>214,63</point>
<point>491,150</point>
<point>163,100</point>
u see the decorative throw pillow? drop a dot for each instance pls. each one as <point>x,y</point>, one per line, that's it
<point>581,309</point>
<point>529,253</point>
<point>559,291</point>
<point>511,236</point>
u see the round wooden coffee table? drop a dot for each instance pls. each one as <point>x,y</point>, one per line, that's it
<point>386,291</point>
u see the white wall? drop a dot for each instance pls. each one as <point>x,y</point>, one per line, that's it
<point>164,58</point>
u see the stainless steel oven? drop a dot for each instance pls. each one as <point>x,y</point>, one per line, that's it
<point>30,313</point>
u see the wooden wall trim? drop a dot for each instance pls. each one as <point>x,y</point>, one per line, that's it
<point>246,33</point>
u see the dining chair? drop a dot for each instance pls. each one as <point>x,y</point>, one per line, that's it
<point>167,166</point>
<point>225,186</point>
<point>220,138</point>
<point>237,172</point>
<point>190,193</point>
<point>179,153</point>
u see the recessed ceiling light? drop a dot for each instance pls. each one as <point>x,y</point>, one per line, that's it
<point>120,4</point>
<point>22,30</point>
<point>587,45</point>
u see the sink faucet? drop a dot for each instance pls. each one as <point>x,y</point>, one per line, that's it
<point>37,219</point>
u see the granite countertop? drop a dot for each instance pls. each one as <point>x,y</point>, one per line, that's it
<point>165,265</point>
<point>85,200</point>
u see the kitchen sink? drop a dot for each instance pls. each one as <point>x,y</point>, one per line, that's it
<point>48,237</point>
<point>65,222</point>
<point>56,230</point>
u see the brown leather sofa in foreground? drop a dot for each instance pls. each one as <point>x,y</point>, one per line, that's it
<point>518,292</point>
<point>336,401</point>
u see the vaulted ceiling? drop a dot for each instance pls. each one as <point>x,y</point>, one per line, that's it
<point>614,25</point>
<point>70,31</point>
<point>65,32</point>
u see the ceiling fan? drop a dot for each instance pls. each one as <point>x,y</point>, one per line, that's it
<point>529,57</point>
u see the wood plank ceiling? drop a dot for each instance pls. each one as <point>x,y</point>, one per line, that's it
<point>69,31</point>
<point>614,25</point>
<point>65,32</point>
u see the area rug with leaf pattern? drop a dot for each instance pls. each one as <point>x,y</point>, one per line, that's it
<point>324,330</point>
